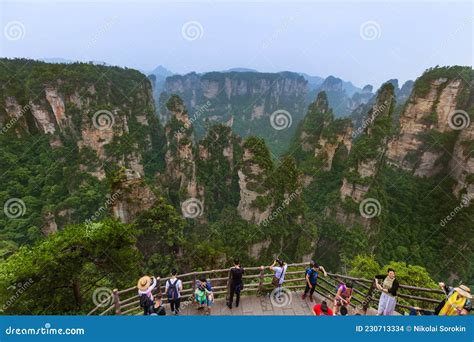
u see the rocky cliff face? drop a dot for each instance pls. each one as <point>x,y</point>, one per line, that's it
<point>255,200</point>
<point>180,155</point>
<point>247,99</point>
<point>319,137</point>
<point>426,125</point>
<point>369,149</point>
<point>101,118</point>
<point>93,126</point>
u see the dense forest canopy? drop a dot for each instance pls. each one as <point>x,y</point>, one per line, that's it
<point>293,208</point>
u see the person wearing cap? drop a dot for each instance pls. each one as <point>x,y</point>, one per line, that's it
<point>311,278</point>
<point>458,301</point>
<point>145,285</point>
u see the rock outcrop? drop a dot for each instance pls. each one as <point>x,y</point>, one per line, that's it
<point>426,127</point>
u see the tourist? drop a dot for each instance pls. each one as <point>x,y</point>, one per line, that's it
<point>311,278</point>
<point>457,303</point>
<point>158,308</point>
<point>173,289</point>
<point>279,267</point>
<point>322,309</point>
<point>204,295</point>
<point>343,297</point>
<point>145,286</point>
<point>389,288</point>
<point>235,284</point>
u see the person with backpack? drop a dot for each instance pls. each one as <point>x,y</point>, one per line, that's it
<point>145,286</point>
<point>279,267</point>
<point>343,297</point>
<point>389,288</point>
<point>311,278</point>
<point>235,284</point>
<point>203,294</point>
<point>173,289</point>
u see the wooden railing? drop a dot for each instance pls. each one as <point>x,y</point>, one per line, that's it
<point>257,281</point>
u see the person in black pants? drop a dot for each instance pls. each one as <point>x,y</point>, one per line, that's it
<point>235,283</point>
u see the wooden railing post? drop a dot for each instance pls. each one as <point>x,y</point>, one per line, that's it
<point>117,302</point>
<point>194,285</point>
<point>261,278</point>
<point>368,298</point>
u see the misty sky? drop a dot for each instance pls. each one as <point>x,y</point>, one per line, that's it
<point>364,42</point>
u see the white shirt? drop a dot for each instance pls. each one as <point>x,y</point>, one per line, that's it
<point>278,273</point>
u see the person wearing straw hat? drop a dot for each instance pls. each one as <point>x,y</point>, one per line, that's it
<point>145,286</point>
<point>458,301</point>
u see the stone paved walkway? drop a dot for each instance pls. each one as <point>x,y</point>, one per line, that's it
<point>258,306</point>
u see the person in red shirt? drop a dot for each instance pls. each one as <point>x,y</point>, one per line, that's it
<point>322,309</point>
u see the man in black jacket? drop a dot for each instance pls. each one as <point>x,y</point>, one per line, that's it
<point>235,283</point>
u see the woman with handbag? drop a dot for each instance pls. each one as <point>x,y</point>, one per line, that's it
<point>279,267</point>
